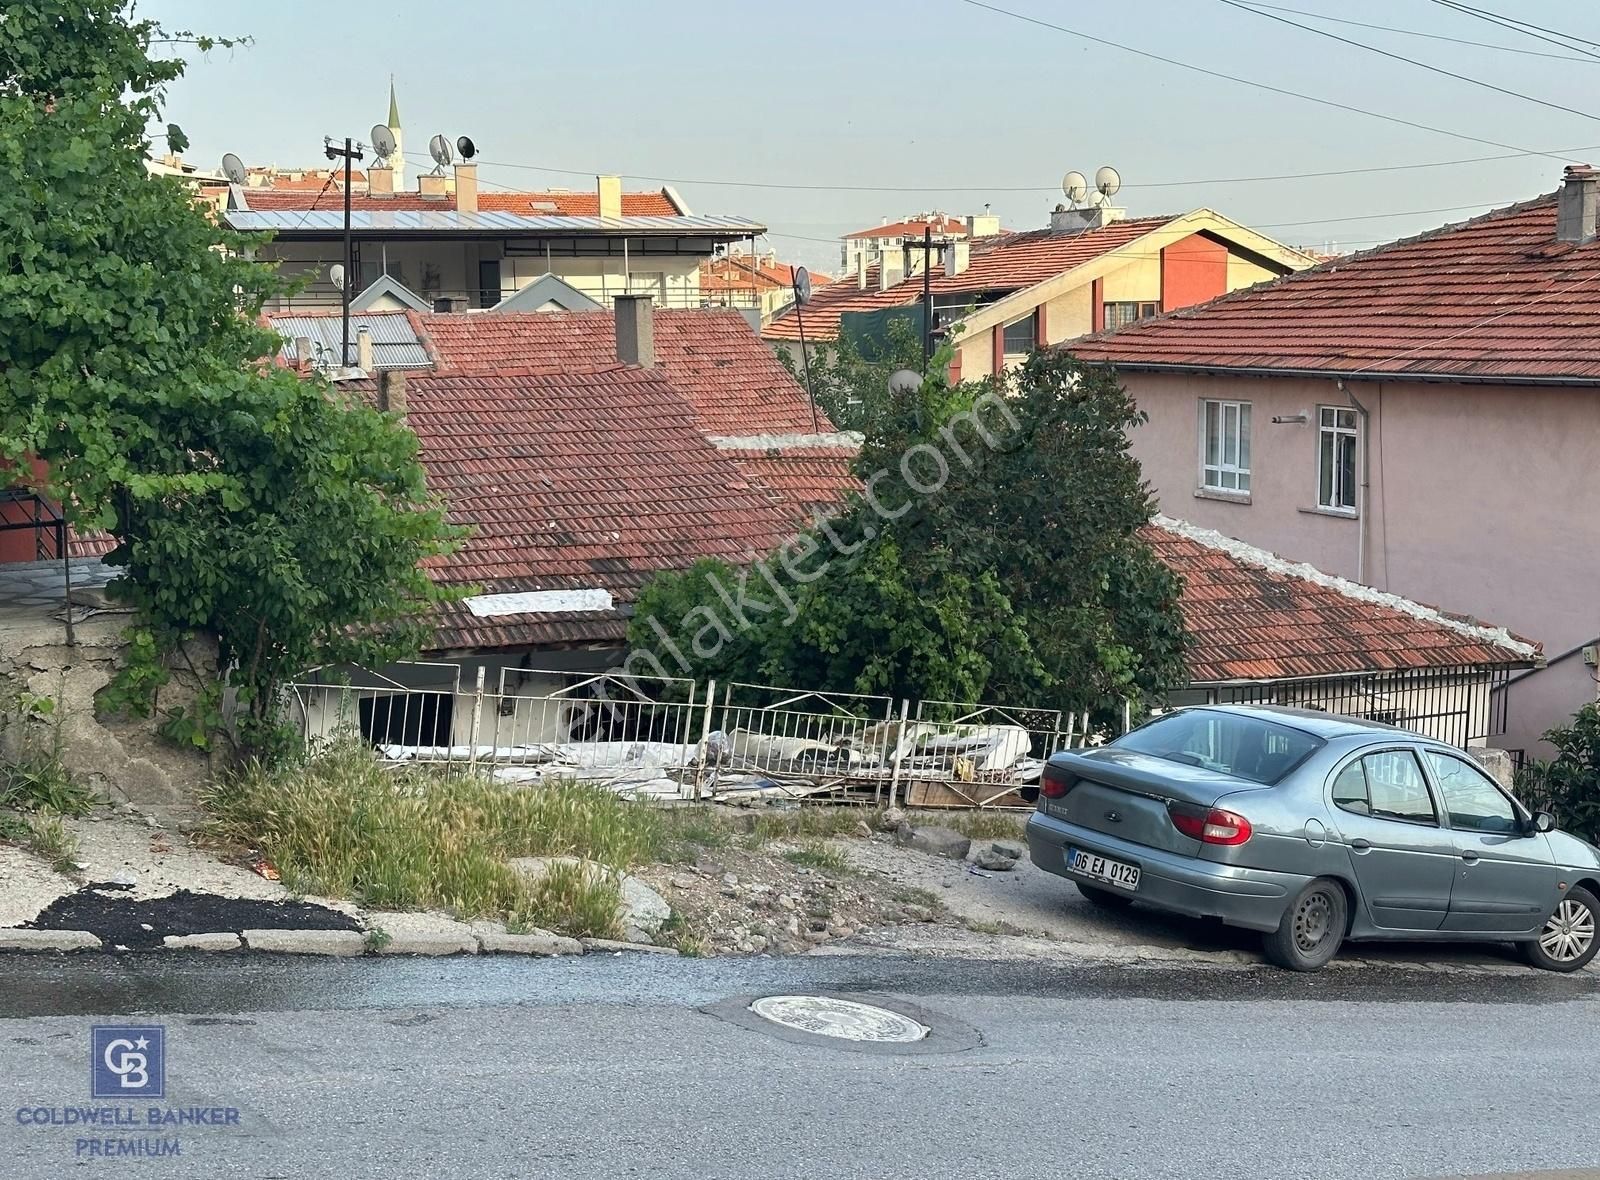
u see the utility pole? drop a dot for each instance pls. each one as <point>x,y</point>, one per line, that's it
<point>350,151</point>
<point>927,297</point>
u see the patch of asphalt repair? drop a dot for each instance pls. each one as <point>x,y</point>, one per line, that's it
<point>141,923</point>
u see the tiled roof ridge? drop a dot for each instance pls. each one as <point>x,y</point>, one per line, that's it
<point>1330,266</point>
<point>1272,563</point>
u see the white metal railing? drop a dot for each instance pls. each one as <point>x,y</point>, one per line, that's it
<point>676,738</point>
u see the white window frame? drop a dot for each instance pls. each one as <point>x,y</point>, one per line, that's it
<point>1329,419</point>
<point>1225,470</point>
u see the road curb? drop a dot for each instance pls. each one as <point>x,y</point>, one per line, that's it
<point>606,945</point>
<point>540,943</point>
<point>222,940</point>
<point>48,940</point>
<point>338,943</point>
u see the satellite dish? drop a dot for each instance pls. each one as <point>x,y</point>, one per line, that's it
<point>466,147</point>
<point>439,149</point>
<point>383,143</point>
<point>233,169</point>
<point>1075,186</point>
<point>904,381</point>
<point>802,285</point>
<point>336,275</point>
<point>1107,180</point>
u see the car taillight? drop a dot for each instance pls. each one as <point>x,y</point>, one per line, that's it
<point>1054,783</point>
<point>1209,825</point>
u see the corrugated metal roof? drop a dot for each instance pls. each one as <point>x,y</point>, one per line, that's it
<point>290,221</point>
<point>395,344</point>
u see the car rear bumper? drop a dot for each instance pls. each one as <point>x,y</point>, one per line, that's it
<point>1252,898</point>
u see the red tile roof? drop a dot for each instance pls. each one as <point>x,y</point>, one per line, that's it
<point>818,479</point>
<point>734,381</point>
<point>577,481</point>
<point>559,203</point>
<point>1252,616</point>
<point>1495,298</point>
<point>1001,264</point>
<point>943,225</point>
<point>738,273</point>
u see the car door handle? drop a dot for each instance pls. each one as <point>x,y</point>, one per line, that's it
<point>1470,857</point>
<point>1361,845</point>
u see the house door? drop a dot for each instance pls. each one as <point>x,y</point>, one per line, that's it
<point>488,292</point>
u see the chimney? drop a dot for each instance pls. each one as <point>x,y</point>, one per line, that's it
<point>956,256</point>
<point>431,186</point>
<point>1578,208</point>
<point>450,304</point>
<point>364,349</point>
<point>891,267</point>
<point>303,356</point>
<point>380,181</point>
<point>636,330</point>
<point>609,189</point>
<point>983,225</point>
<point>861,270</point>
<point>466,188</point>
<point>1076,221</point>
<point>392,391</point>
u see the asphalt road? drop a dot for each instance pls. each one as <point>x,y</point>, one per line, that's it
<point>611,1067</point>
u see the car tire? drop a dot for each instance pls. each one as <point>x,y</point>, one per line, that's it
<point>1570,937</point>
<point>1312,928</point>
<point>1104,898</point>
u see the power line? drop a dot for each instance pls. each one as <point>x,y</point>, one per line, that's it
<point>1172,61</point>
<point>1518,26</point>
<point>1429,36</point>
<point>1410,61</point>
<point>1561,154</point>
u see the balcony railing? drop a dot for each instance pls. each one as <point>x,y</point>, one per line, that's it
<point>321,297</point>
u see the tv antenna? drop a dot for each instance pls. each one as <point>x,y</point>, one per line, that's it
<point>465,147</point>
<point>383,143</point>
<point>1107,180</point>
<point>802,285</point>
<point>336,275</point>
<point>233,169</point>
<point>439,149</point>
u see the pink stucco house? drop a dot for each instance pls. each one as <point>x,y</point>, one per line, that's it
<point>1423,418</point>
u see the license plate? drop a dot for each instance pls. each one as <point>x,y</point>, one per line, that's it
<point>1101,868</point>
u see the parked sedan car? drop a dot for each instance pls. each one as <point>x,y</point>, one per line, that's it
<point>1313,828</point>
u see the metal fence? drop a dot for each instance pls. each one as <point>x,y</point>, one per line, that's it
<point>1459,705</point>
<point>676,738</point>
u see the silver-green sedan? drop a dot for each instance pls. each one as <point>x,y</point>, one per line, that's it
<point>1313,828</point>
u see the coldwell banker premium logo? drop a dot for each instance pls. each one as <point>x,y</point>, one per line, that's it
<point>128,1061</point>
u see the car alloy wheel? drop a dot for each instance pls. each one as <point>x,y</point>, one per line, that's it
<point>1569,933</point>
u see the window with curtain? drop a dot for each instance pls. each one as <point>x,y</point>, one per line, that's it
<point>1225,446</point>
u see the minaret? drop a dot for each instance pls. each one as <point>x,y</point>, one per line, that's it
<point>398,160</point>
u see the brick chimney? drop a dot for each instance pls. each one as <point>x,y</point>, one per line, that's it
<point>1578,208</point>
<point>466,188</point>
<point>636,330</point>
<point>392,391</point>
<point>304,356</point>
<point>609,190</point>
<point>380,181</point>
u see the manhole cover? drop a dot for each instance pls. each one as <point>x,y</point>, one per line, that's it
<point>847,1020</point>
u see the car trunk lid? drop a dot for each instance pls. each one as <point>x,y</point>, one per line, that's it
<point>1128,795</point>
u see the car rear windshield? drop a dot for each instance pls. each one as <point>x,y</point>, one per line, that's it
<point>1229,743</point>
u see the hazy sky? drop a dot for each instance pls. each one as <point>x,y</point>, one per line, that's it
<point>887,95</point>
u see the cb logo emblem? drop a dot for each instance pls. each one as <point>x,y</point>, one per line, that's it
<point>128,1061</point>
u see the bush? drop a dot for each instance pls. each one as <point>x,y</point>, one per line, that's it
<point>342,825</point>
<point>1568,786</point>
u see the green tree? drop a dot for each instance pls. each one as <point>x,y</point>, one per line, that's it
<point>851,388</point>
<point>1568,785</point>
<point>275,513</point>
<point>995,557</point>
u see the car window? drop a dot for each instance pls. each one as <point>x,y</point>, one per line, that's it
<point>1228,743</point>
<point>1471,798</point>
<point>1396,788</point>
<point>1350,790</point>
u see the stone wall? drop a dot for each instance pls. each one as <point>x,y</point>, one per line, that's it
<point>124,760</point>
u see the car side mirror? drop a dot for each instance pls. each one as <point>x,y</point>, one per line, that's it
<point>1542,821</point>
